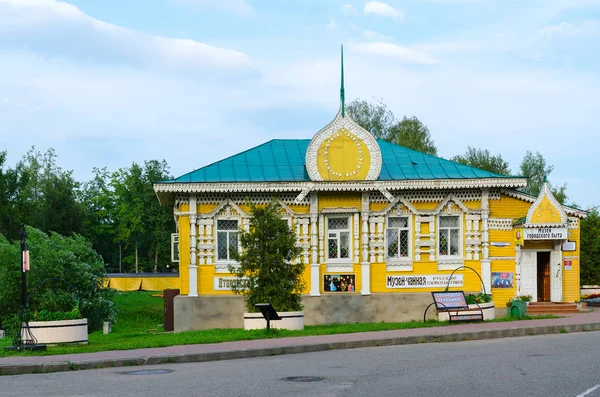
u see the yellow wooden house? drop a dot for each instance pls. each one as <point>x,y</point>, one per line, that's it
<point>380,227</point>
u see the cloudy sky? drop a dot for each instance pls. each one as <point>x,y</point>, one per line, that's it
<point>110,82</point>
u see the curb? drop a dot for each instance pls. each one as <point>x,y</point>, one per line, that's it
<point>61,366</point>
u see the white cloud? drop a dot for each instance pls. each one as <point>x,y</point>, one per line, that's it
<point>331,24</point>
<point>569,30</point>
<point>236,6</point>
<point>380,9</point>
<point>57,27</point>
<point>371,35</point>
<point>348,9</point>
<point>391,50</point>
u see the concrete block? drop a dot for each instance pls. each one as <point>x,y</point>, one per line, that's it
<point>107,328</point>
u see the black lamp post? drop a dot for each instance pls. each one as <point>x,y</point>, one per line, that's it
<point>30,343</point>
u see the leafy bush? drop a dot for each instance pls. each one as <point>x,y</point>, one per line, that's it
<point>524,298</point>
<point>45,315</point>
<point>479,298</point>
<point>66,273</point>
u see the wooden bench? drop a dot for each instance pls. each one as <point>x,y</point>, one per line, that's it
<point>455,304</point>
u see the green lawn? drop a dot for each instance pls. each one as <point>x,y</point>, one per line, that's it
<point>139,325</point>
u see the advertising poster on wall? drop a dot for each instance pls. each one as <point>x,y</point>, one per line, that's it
<point>568,264</point>
<point>502,280</point>
<point>339,283</point>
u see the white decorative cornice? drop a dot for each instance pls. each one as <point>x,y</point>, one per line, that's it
<point>337,124</point>
<point>339,210</point>
<point>357,186</point>
<point>545,192</point>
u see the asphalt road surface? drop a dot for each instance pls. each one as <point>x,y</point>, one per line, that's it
<point>550,365</point>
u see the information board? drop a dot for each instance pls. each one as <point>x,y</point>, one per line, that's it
<point>449,300</point>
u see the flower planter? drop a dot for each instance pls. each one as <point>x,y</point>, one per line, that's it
<point>488,309</point>
<point>289,320</point>
<point>63,331</point>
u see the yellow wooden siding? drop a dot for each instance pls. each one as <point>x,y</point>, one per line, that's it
<point>339,200</point>
<point>571,278</point>
<point>500,296</point>
<point>472,205</point>
<point>378,206</point>
<point>184,253</point>
<point>300,209</point>
<point>205,208</point>
<point>508,207</point>
<point>425,206</point>
<point>546,212</point>
<point>502,236</point>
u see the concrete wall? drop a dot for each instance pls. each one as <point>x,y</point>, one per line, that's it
<point>208,312</point>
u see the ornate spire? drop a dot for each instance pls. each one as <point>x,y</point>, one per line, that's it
<point>342,93</point>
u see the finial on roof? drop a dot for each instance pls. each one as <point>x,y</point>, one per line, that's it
<point>545,179</point>
<point>342,93</point>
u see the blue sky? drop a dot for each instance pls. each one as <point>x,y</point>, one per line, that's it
<point>110,82</point>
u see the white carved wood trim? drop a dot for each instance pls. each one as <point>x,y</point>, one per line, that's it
<point>573,223</point>
<point>447,206</point>
<point>450,264</point>
<point>321,237</point>
<point>267,187</point>
<point>399,266</point>
<point>356,223</point>
<point>500,223</point>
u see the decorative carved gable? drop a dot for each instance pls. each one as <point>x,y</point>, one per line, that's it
<point>450,205</point>
<point>227,208</point>
<point>546,209</point>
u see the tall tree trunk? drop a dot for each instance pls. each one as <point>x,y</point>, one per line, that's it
<point>137,270</point>
<point>120,258</point>
<point>155,259</point>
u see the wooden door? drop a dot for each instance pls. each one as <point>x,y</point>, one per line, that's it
<point>529,274</point>
<point>556,286</point>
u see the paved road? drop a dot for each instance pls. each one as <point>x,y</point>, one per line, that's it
<point>549,365</point>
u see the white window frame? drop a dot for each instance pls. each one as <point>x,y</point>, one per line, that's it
<point>450,262</point>
<point>339,260</point>
<point>216,241</point>
<point>175,247</point>
<point>399,263</point>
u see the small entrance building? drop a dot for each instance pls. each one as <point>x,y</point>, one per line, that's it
<point>548,247</point>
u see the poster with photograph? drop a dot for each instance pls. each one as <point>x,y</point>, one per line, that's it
<point>339,283</point>
<point>502,280</point>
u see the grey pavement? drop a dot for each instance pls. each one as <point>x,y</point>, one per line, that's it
<point>578,322</point>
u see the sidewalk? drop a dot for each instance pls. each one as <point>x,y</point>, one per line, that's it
<point>269,347</point>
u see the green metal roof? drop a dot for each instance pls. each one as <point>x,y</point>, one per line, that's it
<point>283,160</point>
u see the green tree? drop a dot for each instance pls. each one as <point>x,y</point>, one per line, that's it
<point>375,118</point>
<point>266,271</point>
<point>382,124</point>
<point>100,221</point>
<point>484,160</point>
<point>158,221</point>
<point>128,185</point>
<point>590,249</point>
<point>535,168</point>
<point>413,134</point>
